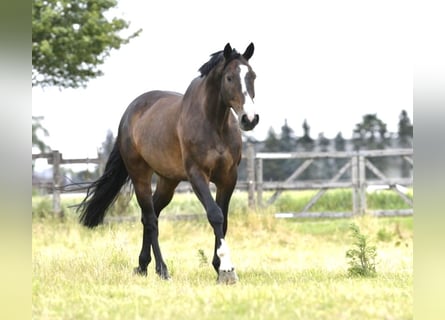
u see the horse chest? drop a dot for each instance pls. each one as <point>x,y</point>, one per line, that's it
<point>220,157</point>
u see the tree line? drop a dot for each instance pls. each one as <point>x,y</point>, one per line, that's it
<point>369,134</point>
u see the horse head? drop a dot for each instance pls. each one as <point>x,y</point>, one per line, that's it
<point>229,72</point>
<point>237,86</point>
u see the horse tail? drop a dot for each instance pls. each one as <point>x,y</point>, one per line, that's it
<point>102,193</point>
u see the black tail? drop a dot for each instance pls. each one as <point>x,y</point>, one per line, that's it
<point>103,192</point>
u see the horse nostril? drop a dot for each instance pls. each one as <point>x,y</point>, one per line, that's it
<point>247,124</point>
<point>244,119</point>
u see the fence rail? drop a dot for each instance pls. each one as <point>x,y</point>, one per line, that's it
<point>55,158</point>
<point>356,164</point>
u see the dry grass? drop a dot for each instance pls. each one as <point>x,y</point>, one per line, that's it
<point>287,269</point>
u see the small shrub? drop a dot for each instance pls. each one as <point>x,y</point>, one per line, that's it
<point>203,261</point>
<point>362,256</point>
<point>384,235</point>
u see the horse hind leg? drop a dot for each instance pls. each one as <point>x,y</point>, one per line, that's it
<point>150,230</point>
<point>143,195</point>
<point>162,196</point>
<point>165,189</point>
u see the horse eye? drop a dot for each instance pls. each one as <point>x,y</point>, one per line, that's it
<point>229,78</point>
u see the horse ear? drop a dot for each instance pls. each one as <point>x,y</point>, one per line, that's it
<point>249,51</point>
<point>227,51</point>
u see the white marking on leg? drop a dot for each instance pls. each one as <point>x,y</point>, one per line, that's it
<point>224,255</point>
<point>249,106</point>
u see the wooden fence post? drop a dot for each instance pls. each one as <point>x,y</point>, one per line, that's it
<point>102,161</point>
<point>56,160</point>
<point>362,183</point>
<point>355,185</point>
<point>251,175</point>
<point>259,182</point>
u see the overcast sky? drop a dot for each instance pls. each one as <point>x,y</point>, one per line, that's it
<point>329,62</point>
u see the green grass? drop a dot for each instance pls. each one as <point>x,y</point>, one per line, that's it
<point>288,269</point>
<point>339,200</point>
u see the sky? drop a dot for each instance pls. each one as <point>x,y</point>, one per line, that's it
<point>329,62</point>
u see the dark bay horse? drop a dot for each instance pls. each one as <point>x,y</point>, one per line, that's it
<point>194,137</point>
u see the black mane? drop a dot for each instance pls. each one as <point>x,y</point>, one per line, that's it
<point>215,59</point>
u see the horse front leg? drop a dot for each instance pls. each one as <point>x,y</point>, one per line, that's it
<point>221,257</point>
<point>222,261</point>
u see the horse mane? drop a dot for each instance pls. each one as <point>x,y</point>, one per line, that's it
<point>215,59</point>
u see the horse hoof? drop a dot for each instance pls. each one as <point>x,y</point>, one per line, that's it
<point>162,272</point>
<point>227,277</point>
<point>164,276</point>
<point>140,272</point>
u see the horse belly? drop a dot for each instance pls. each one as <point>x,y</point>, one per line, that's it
<point>163,155</point>
<point>156,136</point>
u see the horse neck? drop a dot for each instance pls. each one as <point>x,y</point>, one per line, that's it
<point>215,110</point>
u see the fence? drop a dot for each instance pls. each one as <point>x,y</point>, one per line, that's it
<point>357,163</point>
<point>55,158</point>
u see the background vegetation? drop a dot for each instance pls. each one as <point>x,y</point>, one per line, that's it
<point>71,39</point>
<point>186,203</point>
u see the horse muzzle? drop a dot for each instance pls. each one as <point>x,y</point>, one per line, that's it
<point>248,122</point>
<point>247,117</point>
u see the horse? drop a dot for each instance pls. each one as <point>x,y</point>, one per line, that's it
<point>195,137</point>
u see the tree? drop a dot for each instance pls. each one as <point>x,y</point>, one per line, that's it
<point>37,142</point>
<point>287,139</point>
<point>370,134</point>
<point>37,129</point>
<point>307,144</point>
<point>71,39</point>
<point>306,141</point>
<point>271,143</point>
<point>340,145</point>
<point>287,143</point>
<point>271,168</point>
<point>405,132</point>
<point>323,142</point>
<point>405,138</point>
<point>104,151</point>
<point>324,167</point>
<point>340,142</point>
<point>107,145</point>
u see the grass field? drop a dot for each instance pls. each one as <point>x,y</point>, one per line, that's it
<point>288,269</point>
